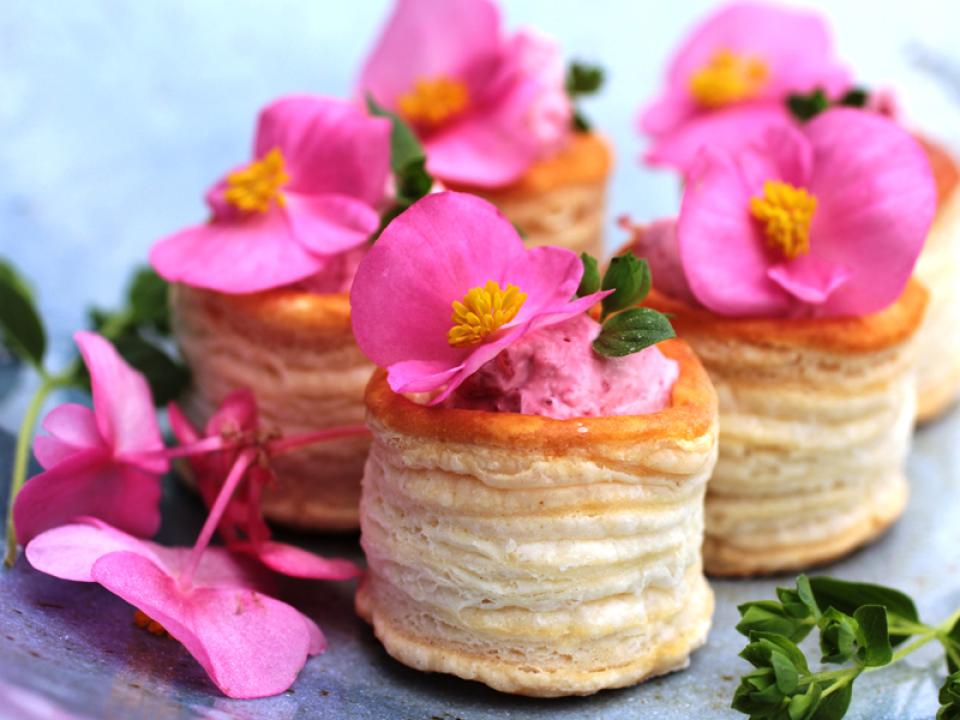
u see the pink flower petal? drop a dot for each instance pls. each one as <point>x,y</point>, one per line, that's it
<point>252,255</point>
<point>427,39</point>
<point>876,199</point>
<point>296,562</point>
<point>809,279</point>
<point>723,253</point>
<point>236,414</point>
<point>657,243</point>
<point>72,428</point>
<point>122,404</point>
<point>89,483</point>
<point>329,224</point>
<point>181,426</point>
<point>249,644</point>
<point>329,147</point>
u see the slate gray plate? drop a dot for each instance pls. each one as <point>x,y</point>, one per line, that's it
<point>70,650</point>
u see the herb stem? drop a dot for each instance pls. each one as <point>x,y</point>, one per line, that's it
<point>21,457</point>
<point>915,645</point>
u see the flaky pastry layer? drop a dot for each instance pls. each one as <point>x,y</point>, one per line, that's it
<point>541,557</point>
<point>296,352</point>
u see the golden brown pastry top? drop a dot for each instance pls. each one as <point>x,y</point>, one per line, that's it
<point>284,310</point>
<point>870,333</point>
<point>691,415</point>
<point>587,158</point>
<point>946,174</point>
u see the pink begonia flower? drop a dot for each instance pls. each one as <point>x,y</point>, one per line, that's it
<point>826,220</point>
<point>448,285</point>
<point>731,76</point>
<point>657,243</point>
<point>319,171</point>
<point>485,105</point>
<point>242,526</point>
<point>104,462</point>
<point>251,645</point>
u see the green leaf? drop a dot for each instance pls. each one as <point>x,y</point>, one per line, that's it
<point>954,636</point>
<point>147,298</point>
<point>835,705</point>
<point>803,706</point>
<point>848,596</point>
<point>855,97</point>
<point>629,278</point>
<point>590,282</point>
<point>806,107</point>
<point>21,327</point>
<point>581,123</point>
<point>407,157</point>
<point>949,698</point>
<point>799,602</point>
<point>786,674</point>
<point>838,636</point>
<point>631,331</point>
<point>769,616</point>
<point>583,79</point>
<point>875,649</point>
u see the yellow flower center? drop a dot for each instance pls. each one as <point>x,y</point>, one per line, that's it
<point>728,78</point>
<point>433,101</point>
<point>483,311</point>
<point>253,188</point>
<point>785,213</point>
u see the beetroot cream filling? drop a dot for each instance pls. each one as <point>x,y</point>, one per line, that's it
<point>555,373</point>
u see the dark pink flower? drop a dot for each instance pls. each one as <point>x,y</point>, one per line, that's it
<point>730,78</point>
<point>319,171</point>
<point>104,462</point>
<point>251,645</point>
<point>448,285</point>
<point>485,105</point>
<point>824,220</point>
<point>241,525</point>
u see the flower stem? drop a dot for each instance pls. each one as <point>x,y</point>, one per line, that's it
<point>236,474</point>
<point>21,457</point>
<point>200,447</point>
<point>283,445</point>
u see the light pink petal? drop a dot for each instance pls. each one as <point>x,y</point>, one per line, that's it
<point>410,376</point>
<point>329,146</point>
<point>329,224</point>
<point>88,484</point>
<point>781,153</point>
<point>728,130</point>
<point>217,568</point>
<point>249,644</point>
<point>657,243</point>
<point>296,562</point>
<point>182,428</point>
<point>257,253</point>
<point>122,403</point>
<point>72,428</point>
<point>427,39</point>
<point>808,279</point>
<point>723,253</point>
<point>237,413</point>
<point>876,199</point>
<point>318,643</point>
<point>69,551</point>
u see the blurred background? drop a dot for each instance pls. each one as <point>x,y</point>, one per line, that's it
<point>116,116</point>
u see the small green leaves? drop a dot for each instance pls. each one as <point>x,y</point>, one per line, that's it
<point>582,80</point>
<point>950,698</point>
<point>629,278</point>
<point>808,106</point>
<point>147,298</point>
<point>590,282</point>
<point>631,331</point>
<point>848,596</point>
<point>873,636</point>
<point>408,161</point>
<point>767,616</point>
<point>838,636</point>
<point>21,328</point>
<point>951,643</point>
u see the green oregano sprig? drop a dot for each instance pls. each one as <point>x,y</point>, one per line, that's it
<point>806,106</point>
<point>859,626</point>
<point>408,163</point>
<point>137,330</point>
<point>582,81</point>
<point>626,328</point>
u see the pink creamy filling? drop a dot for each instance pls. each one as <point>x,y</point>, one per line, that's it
<point>555,373</point>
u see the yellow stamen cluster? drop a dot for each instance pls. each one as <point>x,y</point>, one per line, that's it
<point>785,213</point>
<point>434,101</point>
<point>483,311</point>
<point>253,188</point>
<point>728,78</point>
<point>142,620</point>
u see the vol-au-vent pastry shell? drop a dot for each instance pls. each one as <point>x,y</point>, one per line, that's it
<point>816,417</point>
<point>296,352</point>
<point>542,557</point>
<point>562,198</point>
<point>938,370</point>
